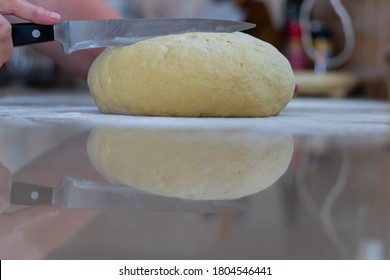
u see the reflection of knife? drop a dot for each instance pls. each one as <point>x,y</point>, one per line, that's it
<point>72,193</point>
<point>77,35</point>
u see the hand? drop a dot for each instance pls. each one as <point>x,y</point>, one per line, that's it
<point>24,10</point>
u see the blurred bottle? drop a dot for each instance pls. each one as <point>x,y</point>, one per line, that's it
<point>127,8</point>
<point>323,45</point>
<point>257,12</point>
<point>26,67</point>
<point>4,77</point>
<point>222,9</point>
<point>294,50</point>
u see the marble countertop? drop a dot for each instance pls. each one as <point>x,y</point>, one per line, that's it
<point>313,182</point>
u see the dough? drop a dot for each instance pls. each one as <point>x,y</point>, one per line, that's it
<point>193,75</point>
<point>198,165</point>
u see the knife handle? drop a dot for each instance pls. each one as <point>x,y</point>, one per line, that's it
<point>31,33</point>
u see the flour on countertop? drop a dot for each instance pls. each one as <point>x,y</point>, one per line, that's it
<point>301,116</point>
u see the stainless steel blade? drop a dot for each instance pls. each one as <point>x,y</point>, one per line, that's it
<point>77,35</point>
<point>76,194</point>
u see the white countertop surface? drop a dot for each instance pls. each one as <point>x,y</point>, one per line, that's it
<point>302,116</point>
<point>332,202</point>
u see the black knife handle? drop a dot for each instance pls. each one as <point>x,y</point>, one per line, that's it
<point>30,194</point>
<point>31,33</point>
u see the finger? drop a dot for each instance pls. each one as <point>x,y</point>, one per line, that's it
<point>28,11</point>
<point>20,219</point>
<point>6,46</point>
<point>5,180</point>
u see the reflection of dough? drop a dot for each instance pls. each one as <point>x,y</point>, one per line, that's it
<point>192,75</point>
<point>192,165</point>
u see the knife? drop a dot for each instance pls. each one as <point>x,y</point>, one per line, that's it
<point>78,35</point>
<point>77,194</point>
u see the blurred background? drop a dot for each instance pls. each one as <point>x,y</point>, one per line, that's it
<point>338,48</point>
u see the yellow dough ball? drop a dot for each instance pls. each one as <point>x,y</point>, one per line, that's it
<point>193,75</point>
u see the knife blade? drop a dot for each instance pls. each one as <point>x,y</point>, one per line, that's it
<point>77,194</point>
<point>78,35</point>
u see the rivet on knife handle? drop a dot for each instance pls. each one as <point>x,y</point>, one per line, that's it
<point>31,33</point>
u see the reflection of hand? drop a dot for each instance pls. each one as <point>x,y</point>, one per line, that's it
<point>13,222</point>
<point>5,187</point>
<point>10,223</point>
